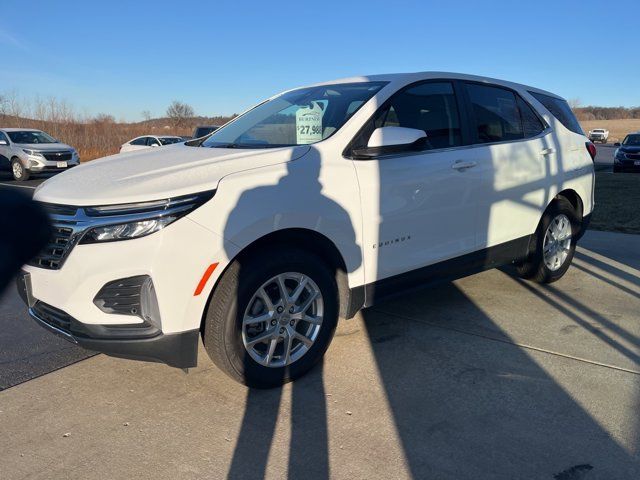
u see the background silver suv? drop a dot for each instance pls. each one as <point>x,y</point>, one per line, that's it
<point>25,151</point>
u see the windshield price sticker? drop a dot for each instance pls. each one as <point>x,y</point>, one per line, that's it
<point>309,124</point>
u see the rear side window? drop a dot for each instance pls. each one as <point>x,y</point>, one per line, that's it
<point>430,107</point>
<point>501,115</point>
<point>560,109</point>
<point>531,123</point>
<point>496,114</point>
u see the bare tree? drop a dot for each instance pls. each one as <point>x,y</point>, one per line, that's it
<point>574,103</point>
<point>146,115</point>
<point>178,112</point>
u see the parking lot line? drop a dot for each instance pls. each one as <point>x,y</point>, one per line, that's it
<point>19,186</point>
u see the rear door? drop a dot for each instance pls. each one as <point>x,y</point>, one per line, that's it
<point>420,207</point>
<point>516,157</point>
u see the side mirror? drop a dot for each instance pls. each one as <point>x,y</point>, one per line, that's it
<point>388,140</point>
<point>155,145</point>
<point>617,144</point>
<point>3,142</point>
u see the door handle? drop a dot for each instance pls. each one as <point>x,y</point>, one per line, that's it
<point>547,151</point>
<point>461,165</point>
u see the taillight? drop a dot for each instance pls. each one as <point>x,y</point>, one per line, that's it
<point>591,148</point>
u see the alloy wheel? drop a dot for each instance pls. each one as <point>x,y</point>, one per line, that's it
<point>557,242</point>
<point>282,320</point>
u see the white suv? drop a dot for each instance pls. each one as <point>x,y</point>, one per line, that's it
<point>308,207</point>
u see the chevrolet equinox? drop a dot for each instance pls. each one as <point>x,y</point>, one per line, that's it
<point>311,205</point>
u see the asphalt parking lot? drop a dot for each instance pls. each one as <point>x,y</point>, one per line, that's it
<point>487,377</point>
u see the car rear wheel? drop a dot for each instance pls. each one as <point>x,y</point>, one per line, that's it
<point>271,319</point>
<point>17,169</point>
<point>554,244</point>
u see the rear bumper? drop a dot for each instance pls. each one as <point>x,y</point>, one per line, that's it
<point>139,341</point>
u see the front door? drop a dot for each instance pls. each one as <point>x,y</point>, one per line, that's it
<point>418,208</point>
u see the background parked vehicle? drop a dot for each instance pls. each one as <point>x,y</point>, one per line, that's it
<point>25,151</point>
<point>148,141</point>
<point>204,130</point>
<point>599,135</point>
<point>627,156</point>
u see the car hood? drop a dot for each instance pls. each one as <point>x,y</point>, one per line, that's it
<point>156,173</point>
<point>44,147</point>
<point>629,149</point>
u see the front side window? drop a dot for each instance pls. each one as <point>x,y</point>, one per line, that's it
<point>299,117</point>
<point>29,137</point>
<point>561,110</point>
<point>4,137</point>
<point>151,141</point>
<point>429,106</point>
<point>632,140</point>
<point>139,141</point>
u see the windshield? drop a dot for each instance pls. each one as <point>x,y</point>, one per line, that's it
<point>598,130</point>
<point>30,137</point>
<point>170,140</point>
<point>632,140</point>
<point>298,117</point>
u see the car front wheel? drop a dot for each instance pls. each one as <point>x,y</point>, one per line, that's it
<point>17,169</point>
<point>271,316</point>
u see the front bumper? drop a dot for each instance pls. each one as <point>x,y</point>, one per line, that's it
<point>139,341</point>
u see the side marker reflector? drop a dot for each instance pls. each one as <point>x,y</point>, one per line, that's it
<point>203,281</point>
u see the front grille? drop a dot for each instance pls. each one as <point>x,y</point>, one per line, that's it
<point>51,256</point>
<point>53,316</point>
<point>53,209</point>
<point>57,156</point>
<point>633,156</point>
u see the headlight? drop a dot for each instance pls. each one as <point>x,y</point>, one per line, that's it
<point>32,153</point>
<point>620,155</point>
<point>136,220</point>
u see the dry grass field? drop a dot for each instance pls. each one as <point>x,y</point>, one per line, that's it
<point>617,128</point>
<point>96,139</point>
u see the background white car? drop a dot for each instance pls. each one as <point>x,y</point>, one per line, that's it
<point>148,141</point>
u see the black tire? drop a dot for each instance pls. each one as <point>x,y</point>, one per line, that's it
<point>616,169</point>
<point>534,268</point>
<point>222,335</point>
<point>25,174</point>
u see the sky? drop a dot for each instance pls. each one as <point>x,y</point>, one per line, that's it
<point>221,57</point>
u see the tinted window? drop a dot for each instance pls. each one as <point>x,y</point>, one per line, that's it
<point>4,137</point>
<point>632,140</point>
<point>496,114</point>
<point>139,141</point>
<point>170,140</point>
<point>430,107</point>
<point>29,136</point>
<point>202,131</point>
<point>152,141</point>
<point>531,123</point>
<point>560,109</point>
